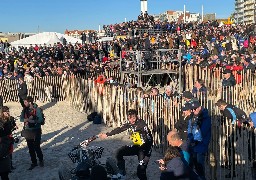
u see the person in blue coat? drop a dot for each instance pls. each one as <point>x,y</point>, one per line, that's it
<point>200,137</point>
<point>252,120</point>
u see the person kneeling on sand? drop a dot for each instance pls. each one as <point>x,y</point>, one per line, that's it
<point>142,143</point>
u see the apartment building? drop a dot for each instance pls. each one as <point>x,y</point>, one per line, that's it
<point>245,11</point>
<point>178,16</point>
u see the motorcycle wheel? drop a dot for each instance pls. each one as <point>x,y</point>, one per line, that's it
<point>111,166</point>
<point>64,173</point>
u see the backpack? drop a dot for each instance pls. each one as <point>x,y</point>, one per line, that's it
<point>232,112</point>
<point>92,116</point>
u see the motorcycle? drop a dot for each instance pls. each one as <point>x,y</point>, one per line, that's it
<point>87,161</point>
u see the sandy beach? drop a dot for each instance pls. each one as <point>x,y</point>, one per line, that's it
<point>65,128</point>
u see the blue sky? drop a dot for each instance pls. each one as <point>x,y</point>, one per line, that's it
<point>58,15</point>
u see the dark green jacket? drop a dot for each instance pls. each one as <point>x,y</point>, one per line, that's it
<point>38,118</point>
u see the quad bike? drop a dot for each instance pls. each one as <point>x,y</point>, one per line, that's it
<point>86,159</point>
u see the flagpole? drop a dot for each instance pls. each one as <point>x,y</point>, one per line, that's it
<point>202,13</point>
<point>184,16</point>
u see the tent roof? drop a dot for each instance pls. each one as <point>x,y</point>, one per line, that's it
<point>68,38</point>
<point>45,38</point>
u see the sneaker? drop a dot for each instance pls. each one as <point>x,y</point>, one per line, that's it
<point>118,177</point>
<point>32,166</point>
<point>41,163</point>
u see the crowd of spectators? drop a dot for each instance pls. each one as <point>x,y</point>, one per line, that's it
<point>204,44</point>
<point>39,61</point>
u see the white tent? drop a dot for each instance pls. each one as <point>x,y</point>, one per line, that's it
<point>48,38</point>
<point>39,39</point>
<point>69,39</point>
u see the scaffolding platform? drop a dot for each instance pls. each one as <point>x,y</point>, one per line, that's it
<point>141,64</point>
<point>150,72</point>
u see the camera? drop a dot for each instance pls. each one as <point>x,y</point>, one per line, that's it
<point>16,139</point>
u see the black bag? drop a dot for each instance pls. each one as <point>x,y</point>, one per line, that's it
<point>29,134</point>
<point>92,116</point>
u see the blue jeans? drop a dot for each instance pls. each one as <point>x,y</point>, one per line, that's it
<point>199,163</point>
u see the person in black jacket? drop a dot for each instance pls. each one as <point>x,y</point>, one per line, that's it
<point>6,141</point>
<point>9,126</point>
<point>233,114</point>
<point>182,125</point>
<point>227,83</point>
<point>83,38</point>
<point>142,143</point>
<point>22,91</point>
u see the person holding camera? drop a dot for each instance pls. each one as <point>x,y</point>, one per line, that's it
<point>173,167</point>
<point>7,124</point>
<point>32,117</point>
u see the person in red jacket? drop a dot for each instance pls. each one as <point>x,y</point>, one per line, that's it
<point>236,69</point>
<point>193,43</point>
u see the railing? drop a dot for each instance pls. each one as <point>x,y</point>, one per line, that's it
<point>229,143</point>
<point>151,31</point>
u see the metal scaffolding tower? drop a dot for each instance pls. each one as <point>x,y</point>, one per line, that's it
<point>151,63</point>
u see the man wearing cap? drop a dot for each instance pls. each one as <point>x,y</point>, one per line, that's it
<point>182,124</point>
<point>229,79</point>
<point>188,97</point>
<point>248,65</point>
<point>227,82</point>
<point>199,132</point>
